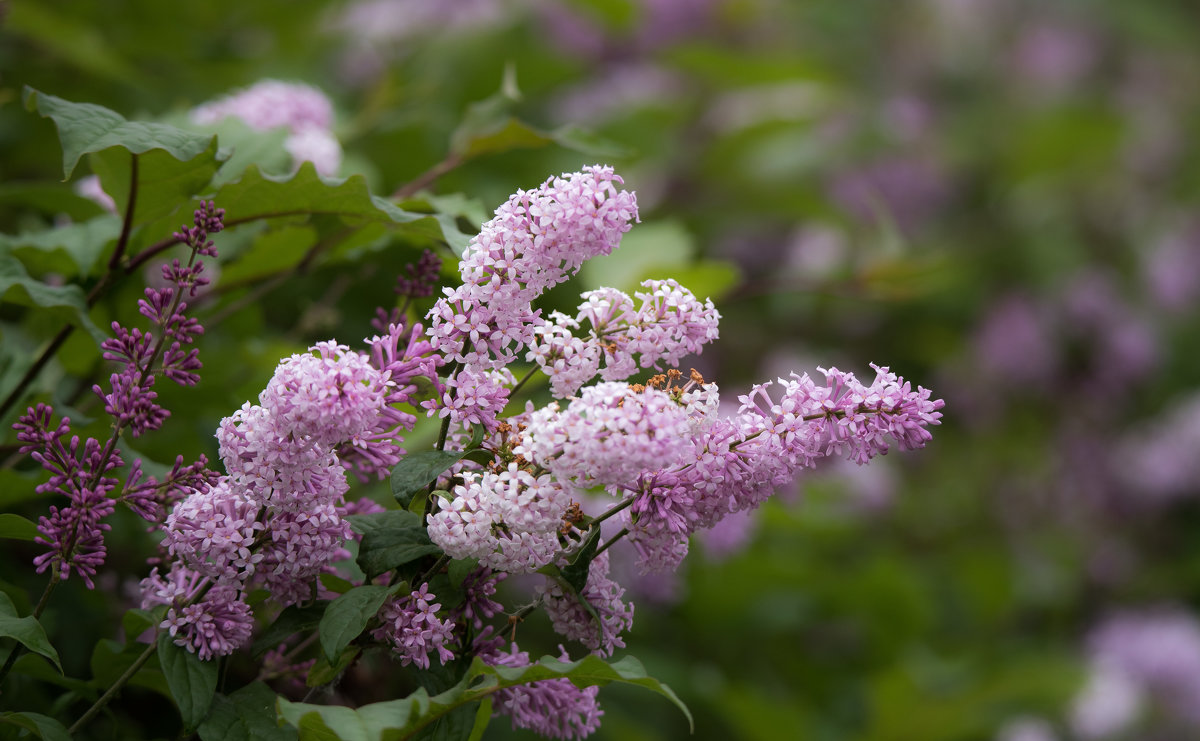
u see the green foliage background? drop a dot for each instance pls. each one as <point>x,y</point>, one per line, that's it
<point>960,603</point>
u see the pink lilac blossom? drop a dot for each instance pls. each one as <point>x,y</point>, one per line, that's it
<point>607,435</point>
<point>89,187</point>
<point>415,631</point>
<point>213,531</point>
<point>536,240</point>
<point>219,624</point>
<point>602,634</point>
<point>473,396</point>
<point>669,324</point>
<point>303,110</point>
<point>506,519</point>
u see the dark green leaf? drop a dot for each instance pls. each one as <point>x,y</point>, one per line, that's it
<point>576,572</point>
<point>51,199</point>
<point>306,194</point>
<point>384,549</point>
<point>110,659</point>
<point>290,622</point>
<point>325,671</point>
<point>84,128</point>
<point>17,287</point>
<point>25,630</point>
<point>17,527</point>
<point>418,470</point>
<point>347,616</point>
<point>246,715</point>
<point>460,568</point>
<point>42,726</point>
<point>389,520</point>
<point>193,682</point>
<point>483,716</point>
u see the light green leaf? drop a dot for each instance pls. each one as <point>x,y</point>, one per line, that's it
<point>347,616</point>
<point>307,194</point>
<point>68,301</point>
<point>68,250</point>
<point>84,128</point>
<point>193,682</point>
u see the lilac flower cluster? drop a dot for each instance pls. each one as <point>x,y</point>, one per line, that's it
<point>572,620</point>
<point>412,626</point>
<point>303,110</point>
<point>84,470</point>
<point>536,240</point>
<point>669,324</point>
<point>276,519</point>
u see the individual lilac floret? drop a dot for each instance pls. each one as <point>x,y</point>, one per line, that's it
<point>303,110</point>
<point>414,629</point>
<point>608,435</point>
<point>572,620</point>
<point>555,708</point>
<point>536,240</point>
<point>509,519</point>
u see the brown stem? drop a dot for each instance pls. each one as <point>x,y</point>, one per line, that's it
<point>127,224</point>
<point>425,179</point>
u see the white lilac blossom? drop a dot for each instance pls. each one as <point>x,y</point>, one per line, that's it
<point>303,110</point>
<point>536,240</point>
<point>601,634</point>
<point>415,631</point>
<point>507,519</point>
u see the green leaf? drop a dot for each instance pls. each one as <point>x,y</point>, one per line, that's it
<point>25,630</point>
<point>68,301</point>
<point>576,572</point>
<point>110,659</point>
<point>42,726</point>
<point>67,250</point>
<point>306,193</point>
<point>418,470</point>
<point>290,622</point>
<point>50,199</point>
<point>325,671</point>
<point>17,527</point>
<point>246,715</point>
<point>386,548</point>
<point>165,184</point>
<point>335,583</point>
<point>483,716</point>
<point>347,616</point>
<point>404,719</point>
<point>84,128</point>
<point>488,127</point>
<point>193,682</point>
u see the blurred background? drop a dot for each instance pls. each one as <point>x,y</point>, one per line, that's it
<point>995,198</point>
